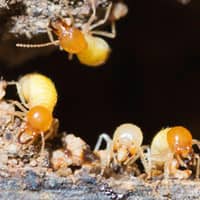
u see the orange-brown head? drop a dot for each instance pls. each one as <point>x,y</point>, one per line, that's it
<point>39,119</point>
<point>71,38</point>
<point>179,140</point>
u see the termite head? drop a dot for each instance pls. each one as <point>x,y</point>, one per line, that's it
<point>58,25</point>
<point>39,119</point>
<point>126,141</point>
<point>71,39</point>
<point>177,140</point>
<point>180,140</point>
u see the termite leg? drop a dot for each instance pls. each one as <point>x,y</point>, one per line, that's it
<point>109,142</point>
<point>103,21</point>
<point>111,34</point>
<point>50,35</point>
<point>43,143</point>
<point>102,137</point>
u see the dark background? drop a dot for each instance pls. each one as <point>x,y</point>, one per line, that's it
<point>152,77</point>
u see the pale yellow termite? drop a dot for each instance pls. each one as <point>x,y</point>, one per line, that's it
<point>39,95</point>
<point>125,147</point>
<point>169,148</point>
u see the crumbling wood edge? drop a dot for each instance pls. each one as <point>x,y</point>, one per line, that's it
<point>32,186</point>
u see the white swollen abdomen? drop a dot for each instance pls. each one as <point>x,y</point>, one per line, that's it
<point>96,53</point>
<point>38,89</point>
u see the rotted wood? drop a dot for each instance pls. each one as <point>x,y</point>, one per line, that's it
<point>87,187</point>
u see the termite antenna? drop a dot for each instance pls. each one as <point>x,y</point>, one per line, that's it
<point>37,45</point>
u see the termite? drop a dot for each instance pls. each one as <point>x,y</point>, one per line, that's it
<point>169,148</point>
<point>89,49</point>
<point>38,96</point>
<point>125,147</point>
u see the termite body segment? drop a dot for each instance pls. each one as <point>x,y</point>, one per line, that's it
<point>36,89</point>
<point>96,53</point>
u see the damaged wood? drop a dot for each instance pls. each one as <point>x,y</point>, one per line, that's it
<point>86,187</point>
<point>31,18</point>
